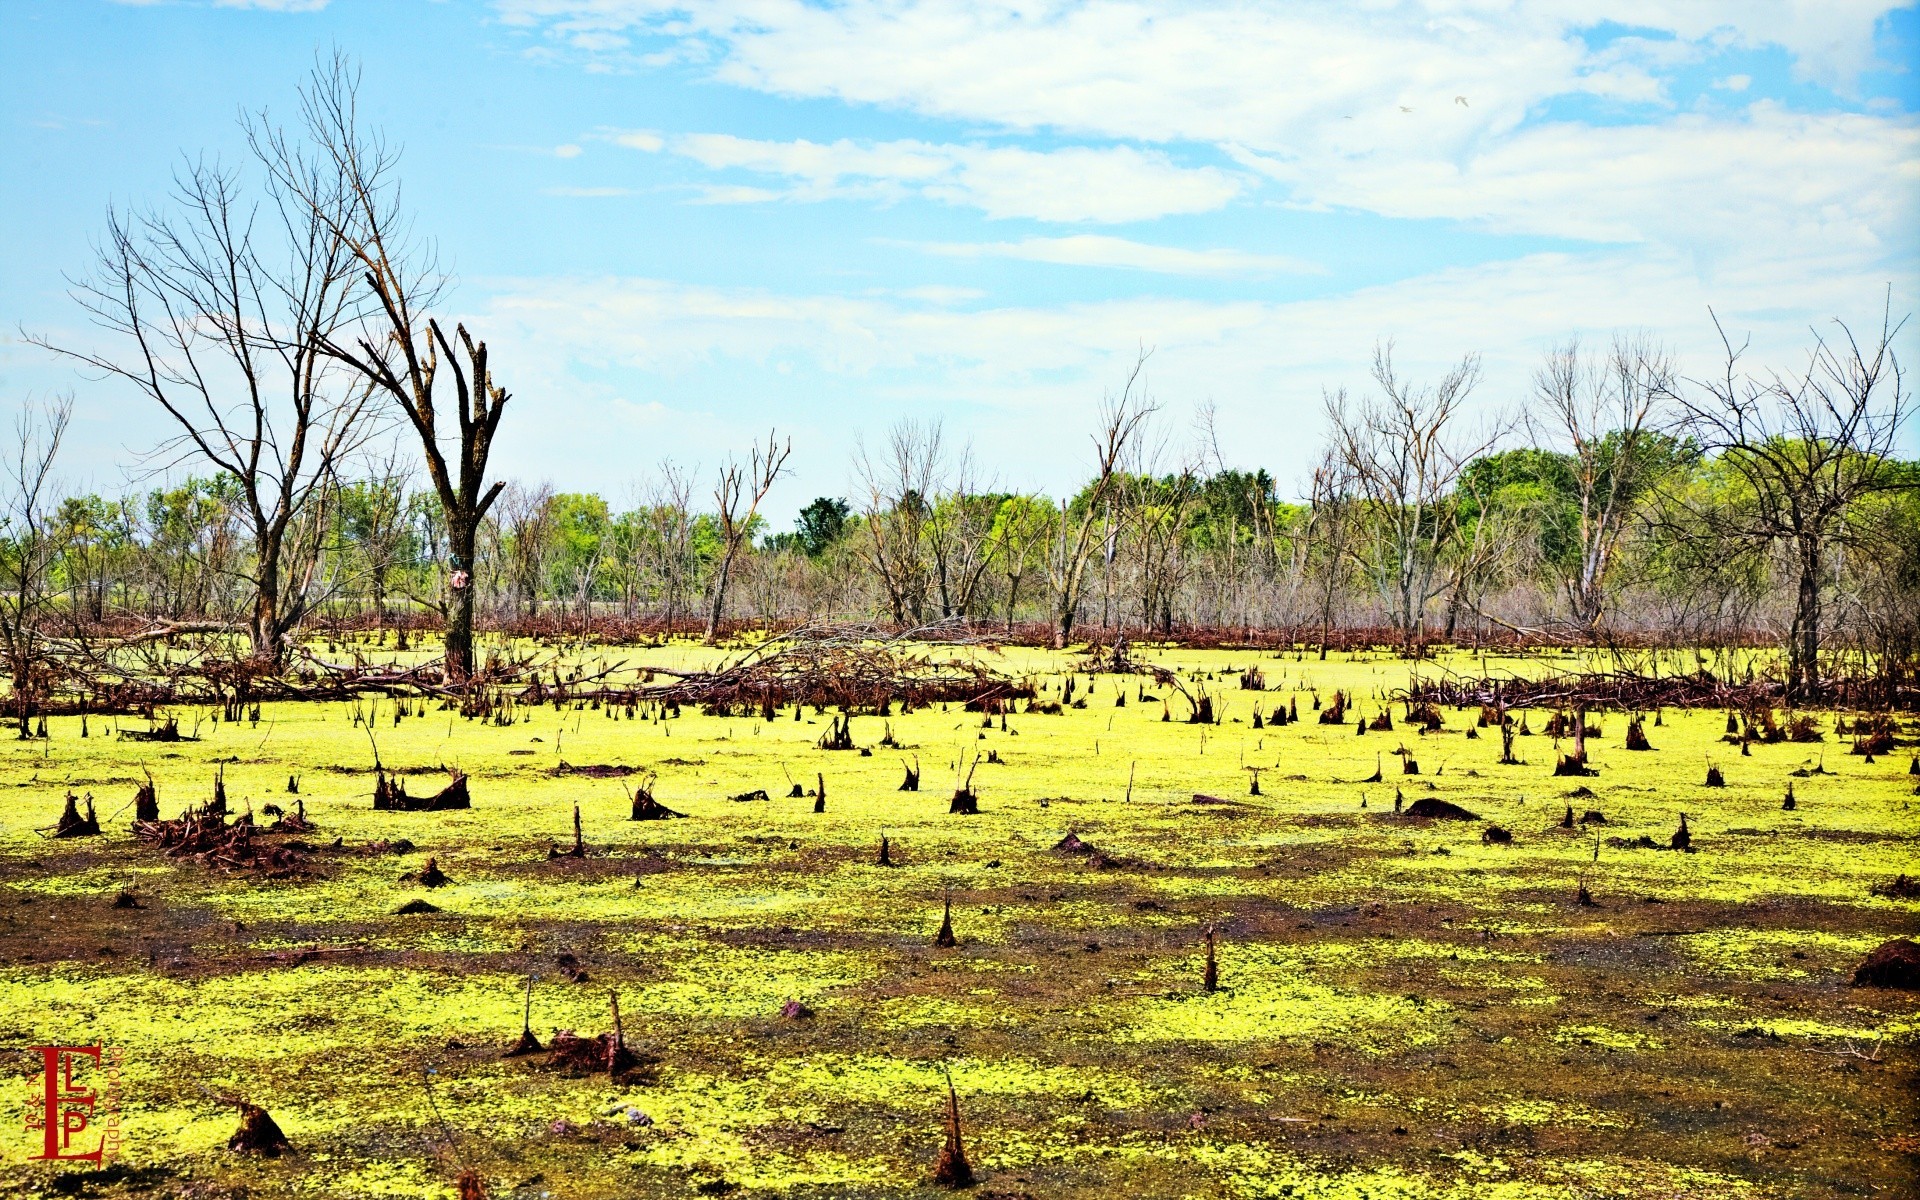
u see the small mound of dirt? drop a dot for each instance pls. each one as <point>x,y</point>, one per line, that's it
<point>602,1053</point>
<point>1433,808</point>
<point>1901,887</point>
<point>1893,964</point>
<point>528,1044</point>
<point>258,1134</point>
<point>416,906</point>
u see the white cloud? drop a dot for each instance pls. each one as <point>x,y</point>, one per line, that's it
<point>567,151</point>
<point>1769,183</point>
<point>1095,250</point>
<point>1351,106</point>
<point>1112,184</point>
<point>1214,72</point>
<point>1025,379</point>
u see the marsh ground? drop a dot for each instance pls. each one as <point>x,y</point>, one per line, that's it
<point>1404,1011</point>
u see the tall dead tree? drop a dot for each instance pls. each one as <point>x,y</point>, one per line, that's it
<point>27,551</point>
<point>959,536</point>
<point>397,348</point>
<point>1120,420</point>
<point>740,484</point>
<point>1805,448</point>
<point>1603,410</point>
<point>229,307</point>
<point>900,482</point>
<point>1329,537</point>
<point>1401,452</point>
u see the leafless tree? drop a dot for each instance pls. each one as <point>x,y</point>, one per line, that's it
<point>1805,449</point>
<point>1155,510</point>
<point>1121,418</point>
<point>959,535</point>
<point>374,517</point>
<point>667,519</point>
<point>1023,529</point>
<point>1329,536</point>
<point>1402,454</point>
<point>736,497</point>
<point>899,487</point>
<point>526,520</point>
<point>346,174</point>
<point>229,316</point>
<point>27,550</point>
<point>1604,410</point>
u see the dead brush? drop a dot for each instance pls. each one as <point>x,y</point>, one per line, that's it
<point>604,1053</point>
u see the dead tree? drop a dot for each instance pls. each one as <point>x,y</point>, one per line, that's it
<point>1401,455</point>
<point>1604,411</point>
<point>229,327</point>
<point>27,554</point>
<point>1121,419</point>
<point>737,484</point>
<point>1807,448</point>
<point>345,173</point>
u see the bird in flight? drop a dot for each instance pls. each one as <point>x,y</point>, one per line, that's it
<point>1404,108</point>
<point>1461,101</point>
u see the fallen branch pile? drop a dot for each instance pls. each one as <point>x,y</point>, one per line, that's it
<point>207,838</point>
<point>834,667</point>
<point>1630,691</point>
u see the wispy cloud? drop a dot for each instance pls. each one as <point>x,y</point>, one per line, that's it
<point>1071,185</point>
<point>1097,250</point>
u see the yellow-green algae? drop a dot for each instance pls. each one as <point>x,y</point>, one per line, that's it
<point>1388,1017</point>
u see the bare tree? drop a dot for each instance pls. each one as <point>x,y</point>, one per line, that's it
<point>899,487</point>
<point>667,522</point>
<point>1121,418</point>
<point>1805,448</point>
<point>1329,538</point>
<point>1156,511</point>
<point>960,542</point>
<point>526,517</point>
<point>1022,529</point>
<point>1402,455</point>
<point>27,551</point>
<point>1604,410</point>
<point>229,333</point>
<point>373,511</point>
<point>397,348</point>
<point>739,484</point>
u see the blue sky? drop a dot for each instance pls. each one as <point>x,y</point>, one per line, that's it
<point>678,225</point>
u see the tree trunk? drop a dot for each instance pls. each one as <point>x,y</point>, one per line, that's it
<point>263,630</point>
<point>1803,646</point>
<point>462,532</point>
<point>720,591</point>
